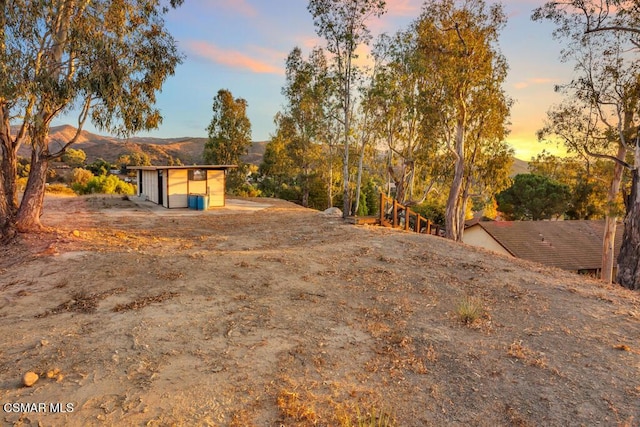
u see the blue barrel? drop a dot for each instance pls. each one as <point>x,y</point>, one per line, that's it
<point>203,202</point>
<point>192,201</point>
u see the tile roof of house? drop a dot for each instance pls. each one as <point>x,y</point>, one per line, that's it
<point>570,245</point>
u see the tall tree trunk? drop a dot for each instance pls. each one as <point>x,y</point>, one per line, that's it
<point>628,274</point>
<point>359,179</point>
<point>8,174</point>
<point>608,239</point>
<point>462,214</point>
<point>305,188</point>
<point>608,248</point>
<point>453,201</point>
<point>330,183</point>
<point>7,212</point>
<point>28,218</point>
<point>346,203</point>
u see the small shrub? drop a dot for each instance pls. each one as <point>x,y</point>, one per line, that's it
<point>81,176</point>
<point>292,406</point>
<point>59,189</point>
<point>102,184</point>
<point>246,190</point>
<point>21,183</point>
<point>469,310</point>
<point>371,418</point>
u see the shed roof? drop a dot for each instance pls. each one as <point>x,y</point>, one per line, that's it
<point>155,168</point>
<point>570,245</point>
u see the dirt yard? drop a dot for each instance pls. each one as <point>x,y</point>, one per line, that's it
<point>268,314</point>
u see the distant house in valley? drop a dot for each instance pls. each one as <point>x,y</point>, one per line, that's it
<point>570,245</point>
<point>172,186</point>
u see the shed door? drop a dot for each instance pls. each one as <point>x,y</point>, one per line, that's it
<point>160,187</point>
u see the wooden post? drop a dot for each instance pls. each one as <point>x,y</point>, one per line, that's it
<point>395,213</point>
<point>382,207</point>
<point>407,217</point>
<point>428,226</point>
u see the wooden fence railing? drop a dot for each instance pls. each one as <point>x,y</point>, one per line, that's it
<point>396,215</point>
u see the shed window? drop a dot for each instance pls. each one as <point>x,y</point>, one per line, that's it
<point>197,175</point>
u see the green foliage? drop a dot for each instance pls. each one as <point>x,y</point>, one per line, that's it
<point>174,161</point>
<point>317,192</point>
<point>369,198</point>
<point>135,158</point>
<point>247,190</point>
<point>103,59</point>
<point>21,183</point>
<point>534,197</point>
<point>102,184</point>
<point>373,417</point>
<point>294,159</point>
<point>399,106</point>
<point>81,176</point>
<point>229,137</point>
<point>275,172</point>
<point>229,130</point>
<point>59,189</point>
<point>342,23</point>
<point>74,158</point>
<point>24,166</point>
<point>99,167</point>
<point>467,105</point>
<point>431,210</point>
<point>469,309</point>
<point>586,180</point>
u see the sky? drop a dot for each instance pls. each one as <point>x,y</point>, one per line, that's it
<point>241,45</point>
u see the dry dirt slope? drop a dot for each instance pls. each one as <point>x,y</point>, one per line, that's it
<point>282,316</point>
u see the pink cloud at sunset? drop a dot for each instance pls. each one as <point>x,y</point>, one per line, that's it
<point>234,58</point>
<point>404,7</point>
<point>532,82</point>
<point>240,7</point>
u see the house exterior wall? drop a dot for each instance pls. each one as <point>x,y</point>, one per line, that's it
<point>477,236</point>
<point>215,182</point>
<point>197,187</point>
<point>150,185</point>
<point>177,188</point>
<point>164,186</point>
<point>177,184</point>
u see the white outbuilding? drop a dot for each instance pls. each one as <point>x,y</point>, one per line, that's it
<point>183,186</point>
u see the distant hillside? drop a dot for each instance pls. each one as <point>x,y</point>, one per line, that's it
<point>519,166</point>
<point>160,150</point>
<point>256,153</point>
<point>187,149</point>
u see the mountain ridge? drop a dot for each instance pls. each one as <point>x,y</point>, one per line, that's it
<point>188,150</point>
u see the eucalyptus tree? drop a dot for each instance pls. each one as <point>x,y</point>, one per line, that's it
<point>395,101</point>
<point>343,24</point>
<point>229,136</point>
<point>534,198</point>
<point>458,41</point>
<point>277,169</point>
<point>600,117</point>
<point>104,59</point>
<point>588,180</point>
<point>307,91</point>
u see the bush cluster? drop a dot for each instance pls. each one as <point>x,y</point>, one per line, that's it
<point>102,184</point>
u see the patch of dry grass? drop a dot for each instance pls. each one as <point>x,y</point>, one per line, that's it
<point>470,310</point>
<point>144,301</point>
